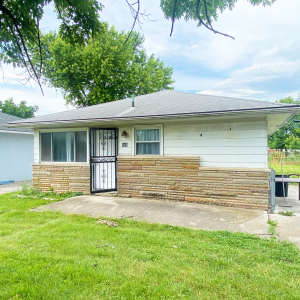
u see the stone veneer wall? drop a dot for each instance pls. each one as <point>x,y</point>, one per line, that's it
<point>62,178</point>
<point>181,178</point>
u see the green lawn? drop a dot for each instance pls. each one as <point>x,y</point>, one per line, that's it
<point>55,256</point>
<point>287,169</point>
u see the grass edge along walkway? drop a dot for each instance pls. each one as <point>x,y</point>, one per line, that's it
<point>51,255</point>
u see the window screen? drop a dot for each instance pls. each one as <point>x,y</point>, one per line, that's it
<point>46,146</point>
<point>80,146</point>
<point>67,146</point>
<point>63,146</point>
<point>147,141</point>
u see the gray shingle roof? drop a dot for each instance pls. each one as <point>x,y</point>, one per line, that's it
<point>163,103</point>
<point>5,118</point>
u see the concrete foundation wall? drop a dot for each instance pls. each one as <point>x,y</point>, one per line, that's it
<point>180,178</point>
<point>62,178</point>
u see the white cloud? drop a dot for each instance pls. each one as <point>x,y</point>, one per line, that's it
<point>11,87</point>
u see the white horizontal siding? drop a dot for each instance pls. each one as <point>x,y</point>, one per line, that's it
<point>229,144</point>
<point>253,142</point>
<point>257,125</point>
<point>36,146</point>
<point>226,144</point>
<point>233,158</point>
<point>128,139</point>
<point>253,165</point>
<point>238,134</point>
<point>216,151</point>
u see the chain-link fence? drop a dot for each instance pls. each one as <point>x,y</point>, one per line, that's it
<point>289,156</point>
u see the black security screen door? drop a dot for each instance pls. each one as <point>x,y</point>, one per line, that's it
<point>103,159</point>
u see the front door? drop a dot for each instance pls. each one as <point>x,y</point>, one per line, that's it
<point>103,159</point>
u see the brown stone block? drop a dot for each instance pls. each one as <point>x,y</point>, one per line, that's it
<point>130,180</point>
<point>142,163</point>
<point>213,174</point>
<point>171,173</point>
<point>191,167</point>
<point>161,181</point>
<point>129,167</point>
<point>247,182</point>
<point>212,179</point>
<point>193,174</point>
<point>84,185</point>
<point>152,194</point>
<point>200,199</point>
<point>54,169</point>
<point>130,174</point>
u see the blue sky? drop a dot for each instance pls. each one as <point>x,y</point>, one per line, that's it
<point>263,61</point>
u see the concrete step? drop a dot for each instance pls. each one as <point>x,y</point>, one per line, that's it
<point>107,194</point>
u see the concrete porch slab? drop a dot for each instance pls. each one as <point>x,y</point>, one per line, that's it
<point>288,228</point>
<point>197,216</point>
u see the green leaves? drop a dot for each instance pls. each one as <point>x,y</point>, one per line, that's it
<point>203,11</point>
<point>105,69</point>
<point>288,135</point>
<point>20,31</point>
<point>21,110</point>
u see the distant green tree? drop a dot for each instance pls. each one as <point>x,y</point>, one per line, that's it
<point>292,142</point>
<point>103,70</point>
<point>22,110</point>
<point>289,100</point>
<point>286,136</point>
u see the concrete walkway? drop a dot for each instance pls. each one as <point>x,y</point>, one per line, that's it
<point>191,215</point>
<point>13,187</point>
<point>288,228</point>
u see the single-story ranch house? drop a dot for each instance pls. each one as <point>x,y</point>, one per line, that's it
<point>166,145</point>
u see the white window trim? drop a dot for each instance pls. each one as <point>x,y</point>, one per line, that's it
<point>65,130</point>
<point>161,138</point>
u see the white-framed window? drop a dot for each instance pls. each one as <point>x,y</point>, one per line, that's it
<point>70,145</point>
<point>148,140</point>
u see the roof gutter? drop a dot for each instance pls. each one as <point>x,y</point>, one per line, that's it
<point>15,131</point>
<point>271,110</point>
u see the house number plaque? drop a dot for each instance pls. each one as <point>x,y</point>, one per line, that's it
<point>124,144</point>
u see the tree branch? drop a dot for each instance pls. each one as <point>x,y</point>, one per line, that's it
<point>40,48</point>
<point>7,13</point>
<point>209,28</point>
<point>136,17</point>
<point>207,18</point>
<point>173,19</point>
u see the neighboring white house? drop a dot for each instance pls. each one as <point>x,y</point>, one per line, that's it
<point>16,151</point>
<point>167,145</point>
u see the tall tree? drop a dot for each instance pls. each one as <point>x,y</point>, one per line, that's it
<point>20,28</point>
<point>105,69</point>
<point>21,110</point>
<point>288,134</point>
<point>20,23</point>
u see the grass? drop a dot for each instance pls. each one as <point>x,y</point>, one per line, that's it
<point>287,213</point>
<point>272,227</point>
<point>287,169</point>
<point>50,255</point>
